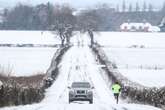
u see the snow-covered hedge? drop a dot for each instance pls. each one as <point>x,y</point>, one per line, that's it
<point>52,72</point>
<point>27,90</point>
<point>21,90</point>
<point>131,91</point>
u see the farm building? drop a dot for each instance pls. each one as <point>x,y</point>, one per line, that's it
<point>138,27</point>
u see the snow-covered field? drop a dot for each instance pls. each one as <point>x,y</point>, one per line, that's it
<point>28,37</point>
<point>25,61</point>
<point>129,39</point>
<point>138,56</point>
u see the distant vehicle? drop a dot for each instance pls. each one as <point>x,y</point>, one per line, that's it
<point>81,91</point>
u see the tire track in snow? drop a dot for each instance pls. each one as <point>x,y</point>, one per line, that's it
<point>68,79</point>
<point>94,73</point>
<point>74,73</point>
<point>69,74</point>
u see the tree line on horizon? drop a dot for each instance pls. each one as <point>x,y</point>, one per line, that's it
<point>102,17</point>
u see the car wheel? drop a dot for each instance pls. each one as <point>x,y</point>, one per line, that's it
<point>91,101</point>
<point>70,101</point>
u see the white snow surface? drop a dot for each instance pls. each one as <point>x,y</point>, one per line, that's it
<point>128,39</point>
<point>145,66</point>
<point>25,61</point>
<point>79,64</point>
<point>27,37</point>
<point>150,78</point>
<point>138,56</point>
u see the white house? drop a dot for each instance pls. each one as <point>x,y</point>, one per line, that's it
<point>138,27</point>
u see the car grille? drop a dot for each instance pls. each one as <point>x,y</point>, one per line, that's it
<point>81,96</point>
<point>80,91</point>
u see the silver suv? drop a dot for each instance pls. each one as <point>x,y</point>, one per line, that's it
<point>81,91</point>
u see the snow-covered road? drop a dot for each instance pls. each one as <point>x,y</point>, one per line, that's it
<point>79,64</point>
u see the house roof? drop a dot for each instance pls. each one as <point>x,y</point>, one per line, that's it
<point>140,25</point>
<point>136,25</point>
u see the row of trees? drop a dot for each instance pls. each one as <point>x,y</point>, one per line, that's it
<point>145,7</point>
<point>40,17</point>
<point>43,16</point>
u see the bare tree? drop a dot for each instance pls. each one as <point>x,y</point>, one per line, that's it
<point>58,30</point>
<point>63,14</point>
<point>41,14</point>
<point>117,8</point>
<point>163,8</point>
<point>123,6</point>
<point>130,7</point>
<point>64,32</point>
<point>19,17</point>
<point>150,8</point>
<point>64,22</point>
<point>89,21</point>
<point>144,6</point>
<point>137,7</point>
<point>68,33</point>
<point>50,14</point>
<point>90,32</point>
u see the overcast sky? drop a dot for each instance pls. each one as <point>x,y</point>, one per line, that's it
<point>81,3</point>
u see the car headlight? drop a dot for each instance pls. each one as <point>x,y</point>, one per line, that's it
<point>71,92</point>
<point>90,92</point>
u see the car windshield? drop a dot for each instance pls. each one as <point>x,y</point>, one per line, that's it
<point>81,85</point>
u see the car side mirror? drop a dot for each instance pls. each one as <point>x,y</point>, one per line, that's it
<point>92,87</point>
<point>69,87</point>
